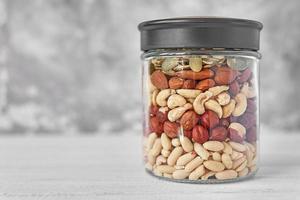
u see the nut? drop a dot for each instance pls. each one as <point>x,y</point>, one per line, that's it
<point>218,134</point>
<point>160,160</point>
<point>188,120</point>
<point>226,160</point>
<point>216,156</point>
<point>162,114</point>
<point>198,104</point>
<point>165,169</point>
<point>226,174</point>
<point>237,132</point>
<point>153,110</point>
<point>209,119</point>
<point>155,126</point>
<point>165,153</point>
<point>180,174</point>
<point>188,93</point>
<point>248,120</point>
<point>189,74</point>
<point>213,146</point>
<point>241,105</point>
<point>161,98</point>
<point>175,154</point>
<point>159,80</point>
<point>188,134</point>
<point>150,141</point>
<point>244,172</point>
<point>197,173</point>
<point>246,74</point>
<point>205,84</point>
<point>248,91</point>
<point>218,89</point>
<point>237,146</point>
<point>234,88</point>
<point>200,134</point>
<point>196,162</point>
<point>175,100</point>
<point>229,108</point>
<point>157,147</point>
<point>214,106</point>
<point>189,84</point>
<point>251,134</point>
<point>153,97</point>
<point>175,142</point>
<point>214,166</point>
<point>176,83</point>
<point>199,149</point>
<point>169,63</point>
<point>227,148</point>
<point>208,175</point>
<point>186,144</point>
<point>223,98</point>
<point>171,129</point>
<point>176,113</point>
<point>185,158</point>
<point>165,142</point>
<point>195,64</point>
<point>225,75</point>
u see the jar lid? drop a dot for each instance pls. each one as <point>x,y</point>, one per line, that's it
<point>200,32</point>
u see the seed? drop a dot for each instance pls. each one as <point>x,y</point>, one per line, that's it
<point>195,64</point>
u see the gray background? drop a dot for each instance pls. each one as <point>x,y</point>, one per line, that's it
<point>73,66</point>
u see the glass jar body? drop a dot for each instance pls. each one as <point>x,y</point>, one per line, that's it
<point>201,114</point>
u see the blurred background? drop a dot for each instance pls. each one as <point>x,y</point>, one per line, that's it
<point>73,66</point>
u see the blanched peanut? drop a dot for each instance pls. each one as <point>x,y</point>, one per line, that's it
<point>226,160</point>
<point>165,169</point>
<point>196,162</point>
<point>151,159</point>
<point>227,148</point>
<point>165,153</point>
<point>150,141</point>
<point>244,172</point>
<point>253,168</point>
<point>251,147</point>
<point>180,174</point>
<point>179,167</point>
<point>148,166</point>
<point>160,160</point>
<point>236,155</point>
<point>175,154</point>
<point>238,162</point>
<point>227,174</point>
<point>237,146</point>
<point>213,146</point>
<point>186,144</point>
<point>201,151</point>
<point>252,162</point>
<point>242,166</point>
<point>216,156</point>
<point>156,172</point>
<point>167,175</point>
<point>165,142</point>
<point>214,165</point>
<point>184,159</point>
<point>155,151</point>
<point>175,142</point>
<point>197,173</point>
<point>249,154</point>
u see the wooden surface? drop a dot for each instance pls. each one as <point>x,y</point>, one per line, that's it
<point>110,167</point>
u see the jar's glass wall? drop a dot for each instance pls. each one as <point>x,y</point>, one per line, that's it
<point>201,115</point>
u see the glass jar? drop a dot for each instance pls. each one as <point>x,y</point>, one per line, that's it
<point>200,97</point>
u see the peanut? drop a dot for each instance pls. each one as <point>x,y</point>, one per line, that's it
<point>197,173</point>
<point>175,142</point>
<point>165,142</point>
<point>187,145</point>
<point>244,172</point>
<point>196,162</point>
<point>150,141</point>
<point>214,165</point>
<point>175,154</point>
<point>237,146</point>
<point>180,174</point>
<point>227,174</point>
<point>165,169</point>
<point>185,158</point>
<point>226,160</point>
<point>155,151</point>
<point>213,146</point>
<point>201,151</point>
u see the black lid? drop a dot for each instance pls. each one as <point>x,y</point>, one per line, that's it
<point>200,32</point>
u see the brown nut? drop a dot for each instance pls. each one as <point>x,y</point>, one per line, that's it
<point>189,84</point>
<point>251,134</point>
<point>155,126</point>
<point>246,74</point>
<point>171,129</point>
<point>176,83</point>
<point>200,134</point>
<point>189,74</point>
<point>248,120</point>
<point>218,134</point>
<point>234,88</point>
<point>159,80</point>
<point>225,75</point>
<point>209,119</point>
<point>205,84</point>
<point>162,114</point>
<point>189,119</point>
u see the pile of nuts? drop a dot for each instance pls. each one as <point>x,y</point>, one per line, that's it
<point>202,120</point>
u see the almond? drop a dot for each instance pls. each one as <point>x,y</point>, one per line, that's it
<point>218,134</point>
<point>188,120</point>
<point>159,80</point>
<point>171,129</point>
<point>176,83</point>
<point>225,75</point>
<point>200,134</point>
<point>205,84</point>
<point>189,74</point>
<point>189,84</point>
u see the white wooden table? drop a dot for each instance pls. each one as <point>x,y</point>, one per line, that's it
<point>110,167</point>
